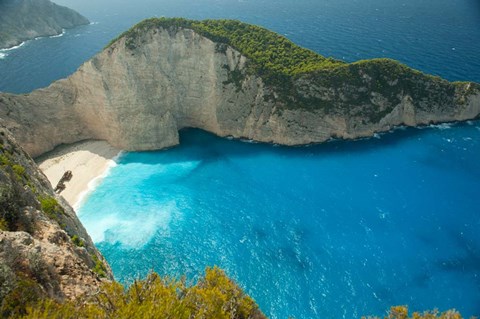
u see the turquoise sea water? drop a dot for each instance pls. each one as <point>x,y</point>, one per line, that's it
<point>337,230</point>
<point>330,231</point>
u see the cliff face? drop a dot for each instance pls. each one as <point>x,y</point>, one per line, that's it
<point>22,20</point>
<point>141,90</point>
<point>44,249</point>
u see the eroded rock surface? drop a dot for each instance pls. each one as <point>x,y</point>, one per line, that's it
<point>44,249</point>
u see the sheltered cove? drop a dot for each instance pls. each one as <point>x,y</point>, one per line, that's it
<point>167,74</point>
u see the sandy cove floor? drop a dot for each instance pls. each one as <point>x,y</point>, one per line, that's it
<point>88,161</point>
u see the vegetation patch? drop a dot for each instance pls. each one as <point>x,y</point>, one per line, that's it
<point>25,291</point>
<point>99,267</point>
<point>4,224</point>
<point>78,241</point>
<point>19,171</point>
<point>235,77</point>
<point>51,207</point>
<point>6,158</point>
<point>213,296</point>
<point>401,312</point>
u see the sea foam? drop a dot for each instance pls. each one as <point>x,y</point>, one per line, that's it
<point>143,213</point>
<point>93,184</point>
<point>58,35</point>
<point>132,230</point>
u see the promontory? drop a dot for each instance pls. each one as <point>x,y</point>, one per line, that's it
<point>22,20</point>
<point>231,79</point>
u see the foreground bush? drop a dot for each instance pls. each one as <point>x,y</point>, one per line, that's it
<point>401,312</point>
<point>213,296</point>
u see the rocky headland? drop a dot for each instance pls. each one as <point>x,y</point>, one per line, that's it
<point>22,20</point>
<point>231,79</point>
<point>45,251</point>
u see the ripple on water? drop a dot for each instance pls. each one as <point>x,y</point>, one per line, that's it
<point>298,227</point>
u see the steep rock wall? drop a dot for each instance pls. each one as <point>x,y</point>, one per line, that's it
<point>44,249</point>
<point>139,92</point>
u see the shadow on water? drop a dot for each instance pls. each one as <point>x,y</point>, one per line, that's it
<point>199,145</point>
<point>423,278</point>
<point>457,159</point>
<point>467,259</point>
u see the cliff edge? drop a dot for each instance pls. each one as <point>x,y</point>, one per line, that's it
<point>22,20</point>
<point>231,79</point>
<point>45,251</point>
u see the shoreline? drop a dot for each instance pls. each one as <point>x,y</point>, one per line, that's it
<point>89,161</point>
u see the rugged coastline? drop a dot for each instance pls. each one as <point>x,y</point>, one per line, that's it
<point>44,248</point>
<point>22,20</point>
<point>160,77</point>
<point>167,74</point>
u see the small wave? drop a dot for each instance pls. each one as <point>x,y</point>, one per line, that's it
<point>93,184</point>
<point>3,55</point>
<point>15,47</point>
<point>244,140</point>
<point>58,35</point>
<point>121,228</point>
<point>443,126</point>
<point>93,23</point>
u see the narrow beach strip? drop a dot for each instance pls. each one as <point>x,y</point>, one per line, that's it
<point>89,162</point>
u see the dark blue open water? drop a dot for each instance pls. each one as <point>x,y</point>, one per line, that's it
<point>338,230</point>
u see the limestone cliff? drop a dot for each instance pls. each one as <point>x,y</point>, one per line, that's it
<point>44,249</point>
<point>163,76</point>
<point>22,20</point>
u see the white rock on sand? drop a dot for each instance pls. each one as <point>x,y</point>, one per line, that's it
<point>88,160</point>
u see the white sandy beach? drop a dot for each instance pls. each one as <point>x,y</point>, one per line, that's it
<point>88,160</point>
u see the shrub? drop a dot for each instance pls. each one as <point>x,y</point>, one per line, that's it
<point>5,160</point>
<point>78,241</point>
<point>51,207</point>
<point>19,171</point>
<point>26,291</point>
<point>3,224</point>
<point>214,296</point>
<point>99,267</point>
<point>401,312</point>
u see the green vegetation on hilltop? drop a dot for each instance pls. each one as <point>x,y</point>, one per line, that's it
<point>270,54</point>
<point>213,296</point>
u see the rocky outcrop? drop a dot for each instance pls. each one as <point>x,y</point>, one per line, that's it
<point>22,20</point>
<point>141,90</point>
<point>44,249</point>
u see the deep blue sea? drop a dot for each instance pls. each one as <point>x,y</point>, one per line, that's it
<point>338,230</point>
